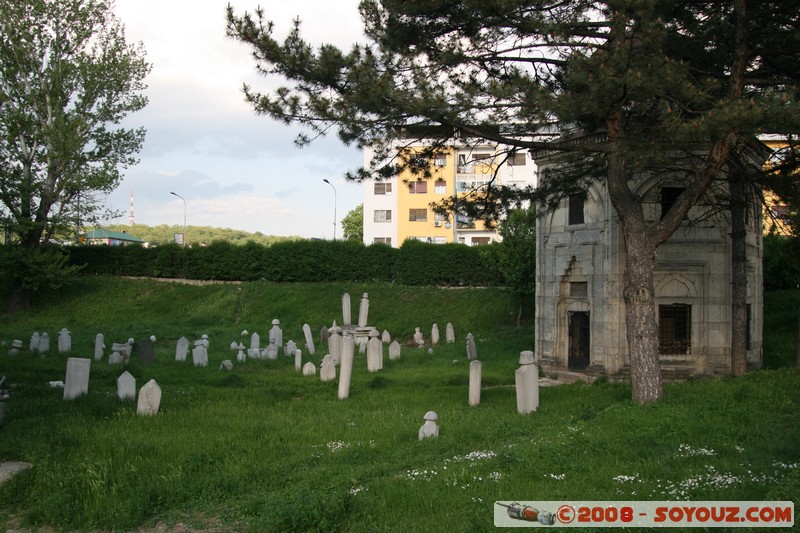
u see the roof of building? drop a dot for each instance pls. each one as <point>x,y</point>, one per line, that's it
<point>108,234</point>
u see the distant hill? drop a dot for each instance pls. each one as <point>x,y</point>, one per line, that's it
<point>196,235</point>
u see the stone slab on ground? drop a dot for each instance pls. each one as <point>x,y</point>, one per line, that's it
<point>8,469</point>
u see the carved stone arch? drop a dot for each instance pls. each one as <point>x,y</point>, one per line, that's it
<point>580,305</point>
<point>595,202</point>
<point>676,285</point>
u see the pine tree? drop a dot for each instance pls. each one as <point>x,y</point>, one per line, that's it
<point>621,88</point>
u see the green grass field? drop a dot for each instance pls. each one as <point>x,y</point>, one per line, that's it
<point>263,448</point>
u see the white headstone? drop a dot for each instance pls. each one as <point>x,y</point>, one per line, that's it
<point>309,339</point>
<point>363,311</point>
<point>430,428</point>
<point>435,334</point>
<point>526,357</point>
<point>64,341</point>
<point>449,333</point>
<point>255,341</point>
<point>200,355</point>
<point>34,344</point>
<point>289,349</point>
<point>181,349</point>
<point>327,369</point>
<point>419,339</point>
<point>16,346</point>
<point>149,399</point>
<point>347,315</point>
<point>241,356</point>
<point>116,357</point>
<point>385,337</point>
<point>472,350</point>
<point>527,383</point>
<point>276,334</point>
<point>475,370</point>
<point>346,368</point>
<point>335,344</point>
<point>309,369</point>
<point>44,343</point>
<point>99,346</point>
<point>77,380</point>
<point>374,352</point>
<point>394,351</point>
<point>126,386</point>
<point>298,360</point>
<point>227,364</point>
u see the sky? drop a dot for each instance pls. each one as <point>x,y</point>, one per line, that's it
<point>234,169</point>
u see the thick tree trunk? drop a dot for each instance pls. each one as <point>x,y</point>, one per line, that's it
<point>641,326</point>
<point>640,313</point>
<point>738,193</point>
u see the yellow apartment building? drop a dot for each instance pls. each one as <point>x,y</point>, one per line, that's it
<point>401,207</point>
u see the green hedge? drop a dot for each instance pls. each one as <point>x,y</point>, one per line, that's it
<point>415,263</point>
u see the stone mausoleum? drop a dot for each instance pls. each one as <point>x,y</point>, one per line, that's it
<point>580,312</point>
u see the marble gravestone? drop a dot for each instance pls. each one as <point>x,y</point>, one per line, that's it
<point>309,369</point>
<point>126,386</point>
<point>363,311</point>
<point>394,351</point>
<point>181,349</point>
<point>347,316</point>
<point>309,339</point>
<point>327,369</point>
<point>44,343</point>
<point>526,378</point>
<point>200,354</point>
<point>435,334</point>
<point>472,350</point>
<point>450,333</point>
<point>276,333</point>
<point>99,346</point>
<point>475,370</point>
<point>430,428</point>
<point>149,399</point>
<point>64,341</point>
<point>76,382</point>
<point>346,367</point>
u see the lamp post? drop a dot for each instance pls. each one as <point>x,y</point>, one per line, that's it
<point>334,206</point>
<point>184,216</point>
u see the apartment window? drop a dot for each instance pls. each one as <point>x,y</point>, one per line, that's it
<point>439,217</point>
<point>440,187</point>
<point>382,240</point>
<point>440,160</point>
<point>383,215</point>
<point>418,187</point>
<point>576,202</point>
<point>486,159</point>
<point>383,188</point>
<point>675,329</point>
<point>479,241</point>
<point>418,215</point>
<point>517,160</point>
<point>668,197</point>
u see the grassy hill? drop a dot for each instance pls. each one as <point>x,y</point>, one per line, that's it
<point>263,448</point>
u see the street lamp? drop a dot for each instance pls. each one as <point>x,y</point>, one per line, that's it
<point>184,216</point>
<point>334,206</point>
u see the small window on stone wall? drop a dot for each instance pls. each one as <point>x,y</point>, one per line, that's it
<point>576,203</point>
<point>579,289</point>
